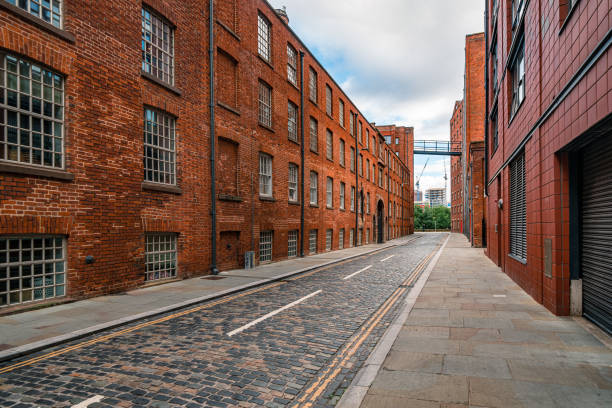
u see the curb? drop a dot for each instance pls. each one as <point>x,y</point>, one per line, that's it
<point>30,348</point>
<point>357,390</point>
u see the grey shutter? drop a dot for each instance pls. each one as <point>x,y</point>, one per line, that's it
<point>518,210</point>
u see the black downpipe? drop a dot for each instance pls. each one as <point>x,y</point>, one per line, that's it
<point>355,127</point>
<point>213,186</point>
<point>486,129</point>
<point>302,153</point>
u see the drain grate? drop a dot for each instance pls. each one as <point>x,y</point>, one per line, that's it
<point>214,277</point>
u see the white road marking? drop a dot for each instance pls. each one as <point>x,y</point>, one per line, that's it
<point>353,274</point>
<point>88,402</point>
<point>387,258</point>
<point>500,296</point>
<point>277,311</point>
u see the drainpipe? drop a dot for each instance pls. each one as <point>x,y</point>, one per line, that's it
<point>213,186</point>
<point>486,129</point>
<point>302,153</point>
<point>355,118</point>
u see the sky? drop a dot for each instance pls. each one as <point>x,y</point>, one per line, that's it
<point>400,61</point>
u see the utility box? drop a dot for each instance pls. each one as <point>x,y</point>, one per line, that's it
<point>249,260</point>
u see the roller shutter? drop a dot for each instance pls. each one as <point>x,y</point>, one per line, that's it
<point>596,232</point>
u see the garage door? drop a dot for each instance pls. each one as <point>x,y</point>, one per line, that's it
<point>596,234</point>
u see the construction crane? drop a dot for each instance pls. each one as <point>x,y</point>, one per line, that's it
<point>418,186</point>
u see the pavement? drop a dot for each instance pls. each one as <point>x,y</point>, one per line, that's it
<point>35,330</point>
<point>469,336</point>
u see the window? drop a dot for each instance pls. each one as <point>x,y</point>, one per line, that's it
<point>342,197</point>
<point>329,146</point>
<point>359,237</point>
<point>353,159</point>
<point>314,135</point>
<point>265,104</point>
<point>518,7</point>
<point>494,132</point>
<point>293,182</point>
<point>367,140</point>
<point>352,198</point>
<point>291,64</point>
<point>329,239</point>
<point>312,241</point>
<point>351,124</point>
<point>314,190</point>
<point>292,121</point>
<point>264,31</point>
<point>159,147</point>
<point>330,192</point>
<point>368,169</point>
<point>374,146</point>
<point>360,132</point>
<point>368,203</point>
<point>265,175</point>
<point>341,239</point>
<point>328,100</point>
<point>397,154</point>
<point>367,238</point>
<point>360,164</point>
<point>374,173</point>
<point>265,246</point>
<point>388,140</point>
<point>31,268</point>
<point>33,99</point>
<point>518,79</point>
<point>47,10</point>
<point>160,255</point>
<point>292,244</point>
<point>312,86</point>
<point>380,177</point>
<point>518,214</point>
<point>351,237</point>
<point>341,112</point>
<point>157,46</point>
<point>494,63</point>
<point>341,153</point>
<point>397,140</point>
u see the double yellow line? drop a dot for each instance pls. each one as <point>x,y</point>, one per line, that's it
<point>342,359</point>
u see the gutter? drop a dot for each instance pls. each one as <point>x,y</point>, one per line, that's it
<point>302,154</point>
<point>213,184</point>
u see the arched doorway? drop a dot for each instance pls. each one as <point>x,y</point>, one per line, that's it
<point>380,225</point>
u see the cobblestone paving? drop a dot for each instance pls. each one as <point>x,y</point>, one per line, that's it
<point>190,361</point>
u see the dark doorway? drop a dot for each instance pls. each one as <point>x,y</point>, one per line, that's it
<point>380,226</point>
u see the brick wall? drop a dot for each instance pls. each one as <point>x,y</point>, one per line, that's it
<point>456,171</point>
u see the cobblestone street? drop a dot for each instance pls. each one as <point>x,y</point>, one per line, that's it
<point>299,341</point>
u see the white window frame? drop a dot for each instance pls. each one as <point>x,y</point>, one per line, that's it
<point>329,239</point>
<point>292,243</point>
<point>341,112</point>
<point>291,64</point>
<point>266,246</point>
<point>160,256</point>
<point>352,159</point>
<point>159,147</point>
<point>314,134</point>
<point>314,188</point>
<point>313,80</point>
<point>264,37</point>
<point>342,153</point>
<point>265,175</point>
<point>351,237</point>
<point>352,198</point>
<point>329,145</point>
<point>265,104</point>
<point>330,192</point>
<point>329,95</point>
<point>342,195</point>
<point>518,79</point>
<point>312,241</point>
<point>341,239</point>
<point>293,183</point>
<point>292,121</point>
<point>157,60</point>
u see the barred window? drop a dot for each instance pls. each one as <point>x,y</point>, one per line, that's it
<point>329,239</point>
<point>292,121</point>
<point>342,195</point>
<point>360,130</point>
<point>368,169</point>
<point>31,113</point>
<point>329,145</point>
<point>159,147</point>
<point>352,198</point>
<point>368,203</point>
<point>342,153</point>
<point>293,182</point>
<point>360,164</point>
<point>291,64</point>
<point>351,237</point>
<point>374,146</point>
<point>314,188</point>
<point>518,209</point>
<point>312,241</point>
<point>47,10</point>
<point>264,30</point>
<point>160,253</point>
<point>367,139</point>
<point>265,175</point>
<point>312,85</point>
<point>265,104</point>
<point>292,244</point>
<point>314,135</point>
<point>341,112</point>
<point>328,100</point>
<point>31,268</point>
<point>351,123</point>
<point>330,192</point>
<point>157,46</point>
<point>265,246</point>
<point>352,159</point>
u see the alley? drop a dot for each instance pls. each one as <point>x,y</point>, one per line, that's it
<point>299,341</point>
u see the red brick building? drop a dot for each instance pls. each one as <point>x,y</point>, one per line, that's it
<point>401,141</point>
<point>456,135</point>
<point>549,102</point>
<point>105,148</point>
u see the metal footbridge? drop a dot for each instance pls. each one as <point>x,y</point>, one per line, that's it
<point>437,147</point>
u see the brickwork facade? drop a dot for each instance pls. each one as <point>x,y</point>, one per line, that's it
<point>113,195</point>
<point>456,129</point>
<point>555,90</point>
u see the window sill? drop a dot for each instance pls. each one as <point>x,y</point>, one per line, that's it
<point>343,209</point>
<point>294,203</point>
<point>162,188</point>
<point>25,170</point>
<point>516,258</point>
<point>314,205</point>
<point>229,30</point>
<point>43,25</point>
<point>268,128</point>
<point>314,151</point>
<point>293,85</point>
<point>230,198</point>
<point>330,160</point>
<point>229,108</point>
<point>267,199</point>
<point>268,63</point>
<point>315,103</point>
<point>329,115</point>
<point>161,83</point>
<point>329,208</point>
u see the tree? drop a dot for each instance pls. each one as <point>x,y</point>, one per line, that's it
<point>431,218</point>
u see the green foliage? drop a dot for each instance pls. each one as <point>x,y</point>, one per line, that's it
<point>431,218</point>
